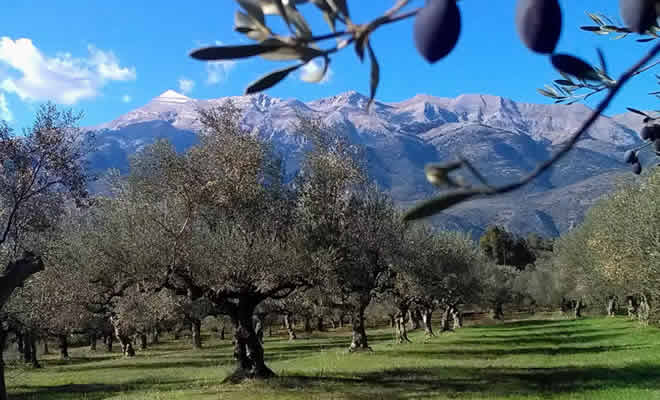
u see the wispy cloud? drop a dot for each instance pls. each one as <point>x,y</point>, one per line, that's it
<point>63,78</point>
<point>126,98</point>
<point>5,113</point>
<point>186,85</point>
<point>311,72</point>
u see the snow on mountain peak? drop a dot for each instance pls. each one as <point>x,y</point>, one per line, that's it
<point>170,96</point>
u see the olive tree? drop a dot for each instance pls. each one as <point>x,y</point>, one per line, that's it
<point>40,170</point>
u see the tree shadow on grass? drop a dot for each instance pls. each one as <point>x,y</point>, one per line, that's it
<point>91,391</point>
<point>495,353</point>
<point>549,339</point>
<point>423,383</point>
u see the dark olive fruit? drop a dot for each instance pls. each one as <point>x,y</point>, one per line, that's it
<point>436,30</point>
<point>539,24</point>
<point>637,168</point>
<point>629,157</point>
<point>650,132</point>
<point>638,15</point>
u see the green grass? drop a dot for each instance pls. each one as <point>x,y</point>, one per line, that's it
<point>530,359</point>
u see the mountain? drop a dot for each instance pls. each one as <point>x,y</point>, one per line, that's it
<point>504,139</point>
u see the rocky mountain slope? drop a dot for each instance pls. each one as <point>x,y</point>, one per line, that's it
<point>503,138</point>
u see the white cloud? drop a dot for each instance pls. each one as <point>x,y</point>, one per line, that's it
<point>311,72</point>
<point>186,85</point>
<point>126,98</point>
<point>5,113</point>
<point>218,71</point>
<point>63,78</point>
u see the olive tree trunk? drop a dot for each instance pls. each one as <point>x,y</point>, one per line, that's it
<point>498,313</point>
<point>124,339</point>
<point>426,320</point>
<point>414,320</point>
<point>248,351</point>
<point>611,306</point>
<point>259,327</point>
<point>319,324</point>
<point>456,317</point>
<point>359,340</point>
<point>143,341</point>
<point>92,341</point>
<point>108,344</point>
<point>289,327</point>
<point>30,350</point>
<point>63,342</point>
<point>3,386</point>
<point>401,331</point>
<point>196,328</point>
<point>579,306</point>
<point>444,322</point>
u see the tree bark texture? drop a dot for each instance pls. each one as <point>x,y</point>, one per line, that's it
<point>196,328</point>
<point>248,351</point>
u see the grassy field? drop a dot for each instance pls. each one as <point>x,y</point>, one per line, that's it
<point>530,359</point>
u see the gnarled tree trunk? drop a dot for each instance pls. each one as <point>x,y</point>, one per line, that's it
<point>414,320</point>
<point>579,306</point>
<point>401,332</point>
<point>643,310</point>
<point>319,324</point>
<point>359,341</point>
<point>259,327</point>
<point>426,320</point>
<point>444,322</point>
<point>498,313</point>
<point>108,343</point>
<point>611,306</point>
<point>63,342</point>
<point>92,341</point>
<point>30,349</point>
<point>3,386</point>
<point>248,352</point>
<point>155,336</point>
<point>196,328</point>
<point>143,341</point>
<point>289,327</point>
<point>456,317</point>
<point>124,339</point>
<point>45,345</point>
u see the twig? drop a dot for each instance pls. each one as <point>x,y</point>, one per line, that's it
<point>586,125</point>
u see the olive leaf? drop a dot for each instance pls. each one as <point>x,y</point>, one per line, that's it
<point>271,79</point>
<point>288,51</point>
<point>440,203</point>
<point>253,10</point>
<point>213,53</point>
<point>590,28</point>
<point>339,6</point>
<point>636,111</point>
<point>601,58</point>
<point>375,74</point>
<point>574,66</point>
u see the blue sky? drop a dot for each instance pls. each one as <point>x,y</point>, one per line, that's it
<point>107,58</point>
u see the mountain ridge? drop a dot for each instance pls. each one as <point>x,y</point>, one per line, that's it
<point>503,138</point>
